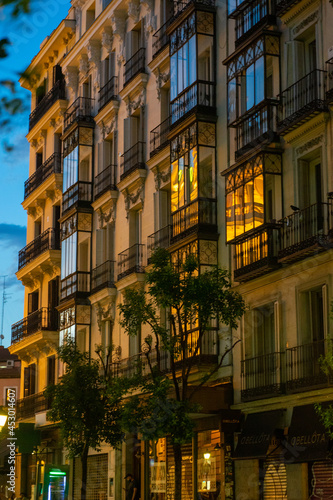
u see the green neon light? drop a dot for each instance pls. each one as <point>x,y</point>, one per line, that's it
<point>57,473</point>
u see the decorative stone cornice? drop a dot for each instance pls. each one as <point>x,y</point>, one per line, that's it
<point>71,78</point>
<point>161,176</point>
<point>309,145</point>
<point>139,102</point>
<point>106,216</point>
<point>106,129</point>
<point>118,23</point>
<point>133,10</point>
<point>94,53</point>
<point>312,18</point>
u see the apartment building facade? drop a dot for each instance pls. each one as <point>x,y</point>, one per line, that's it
<point>193,126</point>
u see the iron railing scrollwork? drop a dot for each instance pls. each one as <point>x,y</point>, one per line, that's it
<point>57,92</point>
<point>131,261</point>
<point>48,240</point>
<point>51,166</point>
<point>42,319</point>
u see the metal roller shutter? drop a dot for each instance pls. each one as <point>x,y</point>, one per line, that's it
<point>275,481</point>
<point>97,483</point>
<point>186,472</point>
<point>321,487</point>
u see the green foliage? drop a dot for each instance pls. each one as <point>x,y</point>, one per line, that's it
<point>85,404</point>
<point>192,299</point>
<point>18,6</point>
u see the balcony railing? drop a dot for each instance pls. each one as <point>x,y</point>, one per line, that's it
<point>201,212</point>
<point>131,261</point>
<point>57,92</point>
<point>51,166</point>
<point>159,239</point>
<point>255,127</point>
<point>261,376</point>
<point>105,181</point>
<point>79,192</point>
<point>302,100</point>
<point>329,88</point>
<point>49,240</point>
<point>180,5</point>
<point>80,110</point>
<point>135,65</point>
<point>282,6</point>
<point>132,159</point>
<point>256,252</point>
<point>200,94</point>
<point>159,137</point>
<point>108,93</point>
<point>251,17</point>
<point>43,319</point>
<point>305,231</point>
<point>28,406</point>
<point>303,366</point>
<point>78,282</point>
<point>102,276</point>
<point>160,38</point>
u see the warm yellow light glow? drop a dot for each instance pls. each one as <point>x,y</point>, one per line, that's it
<point>207,456</point>
<point>3,419</point>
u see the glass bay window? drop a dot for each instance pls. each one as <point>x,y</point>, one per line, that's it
<point>253,194</point>
<point>192,55</point>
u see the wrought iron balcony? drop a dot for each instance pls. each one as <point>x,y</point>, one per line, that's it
<point>57,92</point>
<point>305,232</point>
<point>303,366</point>
<point>102,276</point>
<point>51,166</point>
<point>132,159</point>
<point>79,192</point>
<point>105,181</point>
<point>282,6</point>
<point>81,110</point>
<point>131,261</point>
<point>43,319</point>
<point>159,239</point>
<point>30,405</point>
<point>48,240</point>
<point>109,92</point>
<point>255,252</point>
<point>135,65</point>
<point>159,137</point>
<point>255,127</point>
<point>76,283</point>
<point>261,376</point>
<point>180,5</point>
<point>329,89</point>
<point>197,215</point>
<point>251,16</point>
<point>302,100</point>
<point>199,97</point>
<point>160,38</point>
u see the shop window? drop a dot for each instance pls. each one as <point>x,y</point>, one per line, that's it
<point>253,194</point>
<point>209,464</point>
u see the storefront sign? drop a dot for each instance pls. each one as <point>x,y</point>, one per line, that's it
<point>158,478</point>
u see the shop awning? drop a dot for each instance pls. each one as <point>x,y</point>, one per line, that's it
<point>257,434</point>
<point>307,438</point>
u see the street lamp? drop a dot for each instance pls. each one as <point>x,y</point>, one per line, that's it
<point>3,417</point>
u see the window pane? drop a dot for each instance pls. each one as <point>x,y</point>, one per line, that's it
<point>258,198</point>
<point>173,77</point>
<point>230,215</point>
<point>250,87</point>
<point>239,217</point>
<point>206,172</point>
<point>185,65</point>
<point>192,61</point>
<point>248,205</point>
<point>193,174</point>
<point>181,181</point>
<point>232,92</point>
<point>180,71</point>
<point>260,80</point>
<point>174,186</point>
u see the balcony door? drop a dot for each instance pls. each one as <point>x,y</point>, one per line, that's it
<point>310,197</point>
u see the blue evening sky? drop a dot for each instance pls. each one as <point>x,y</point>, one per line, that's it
<point>26,34</point>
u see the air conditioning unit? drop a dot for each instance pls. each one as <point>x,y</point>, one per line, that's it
<point>10,362</point>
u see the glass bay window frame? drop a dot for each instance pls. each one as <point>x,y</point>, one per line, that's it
<point>246,210</point>
<point>193,177</point>
<point>249,69</point>
<point>190,85</point>
<point>250,15</point>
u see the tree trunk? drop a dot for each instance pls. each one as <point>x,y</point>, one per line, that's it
<point>84,463</point>
<point>177,455</point>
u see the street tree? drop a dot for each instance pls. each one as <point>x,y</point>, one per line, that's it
<point>86,404</point>
<point>196,303</point>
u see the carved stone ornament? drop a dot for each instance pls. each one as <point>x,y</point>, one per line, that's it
<point>105,129</point>
<point>150,23</point>
<point>94,53</point>
<point>160,176</point>
<point>107,216</point>
<point>149,4</point>
<point>107,39</point>
<point>309,145</point>
<point>304,24</point>
<point>161,79</point>
<point>83,66</point>
<point>118,23</point>
<point>132,198</point>
<point>71,78</point>
<point>134,10</point>
<point>104,313</point>
<point>139,102</point>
